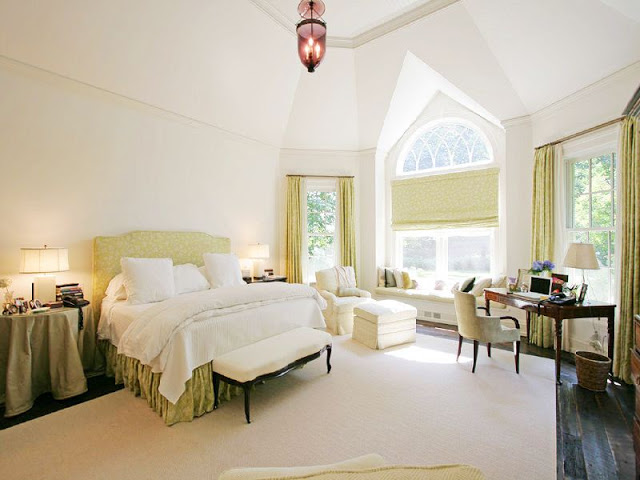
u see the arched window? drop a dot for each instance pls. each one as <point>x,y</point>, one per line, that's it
<point>443,145</point>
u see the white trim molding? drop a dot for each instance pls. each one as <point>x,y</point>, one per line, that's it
<point>399,21</point>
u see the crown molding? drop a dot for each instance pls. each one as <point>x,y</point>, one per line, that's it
<point>389,26</point>
<point>401,20</point>
<point>517,121</point>
<point>561,104</point>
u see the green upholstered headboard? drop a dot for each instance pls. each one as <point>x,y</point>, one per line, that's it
<point>182,247</point>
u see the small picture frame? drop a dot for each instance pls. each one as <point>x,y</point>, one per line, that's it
<point>559,281</point>
<point>524,279</point>
<point>583,293</point>
<point>33,304</point>
<point>268,272</point>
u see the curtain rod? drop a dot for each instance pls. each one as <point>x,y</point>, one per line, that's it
<point>584,132</point>
<point>321,176</point>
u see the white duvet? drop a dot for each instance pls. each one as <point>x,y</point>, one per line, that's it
<point>179,334</point>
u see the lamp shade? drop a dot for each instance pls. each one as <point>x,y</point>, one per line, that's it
<point>44,260</point>
<point>259,251</point>
<point>581,255</point>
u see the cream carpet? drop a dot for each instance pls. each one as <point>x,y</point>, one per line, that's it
<point>411,404</point>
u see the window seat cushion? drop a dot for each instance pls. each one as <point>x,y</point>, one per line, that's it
<point>440,296</point>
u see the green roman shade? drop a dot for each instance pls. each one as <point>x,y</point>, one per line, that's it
<point>452,200</point>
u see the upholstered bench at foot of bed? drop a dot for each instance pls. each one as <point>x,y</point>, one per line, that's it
<point>269,358</point>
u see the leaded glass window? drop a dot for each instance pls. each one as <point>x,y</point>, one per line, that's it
<point>445,145</point>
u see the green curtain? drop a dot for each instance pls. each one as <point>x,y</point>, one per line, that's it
<point>294,230</point>
<point>541,333</point>
<point>347,222</point>
<point>629,245</point>
<point>425,203</point>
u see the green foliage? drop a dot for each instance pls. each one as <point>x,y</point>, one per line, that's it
<point>321,222</point>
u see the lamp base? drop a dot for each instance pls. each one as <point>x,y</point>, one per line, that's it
<point>44,289</point>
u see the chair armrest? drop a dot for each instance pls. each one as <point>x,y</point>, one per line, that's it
<point>328,296</point>
<point>363,293</point>
<point>515,320</point>
<point>482,308</point>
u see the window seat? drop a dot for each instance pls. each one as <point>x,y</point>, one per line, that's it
<point>438,296</point>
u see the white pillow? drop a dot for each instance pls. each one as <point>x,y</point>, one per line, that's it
<point>188,278</point>
<point>148,280</point>
<point>479,286</point>
<point>223,270</point>
<point>397,274</point>
<point>116,288</point>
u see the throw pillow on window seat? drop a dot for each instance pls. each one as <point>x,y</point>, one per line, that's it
<point>467,284</point>
<point>479,286</point>
<point>390,280</point>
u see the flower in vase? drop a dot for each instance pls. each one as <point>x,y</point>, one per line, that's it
<point>540,266</point>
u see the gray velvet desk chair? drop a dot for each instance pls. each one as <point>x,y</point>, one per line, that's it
<point>481,328</point>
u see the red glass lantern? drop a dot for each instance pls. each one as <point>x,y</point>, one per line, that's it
<point>312,33</point>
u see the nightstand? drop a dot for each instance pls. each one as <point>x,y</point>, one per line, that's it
<point>270,278</point>
<point>45,352</point>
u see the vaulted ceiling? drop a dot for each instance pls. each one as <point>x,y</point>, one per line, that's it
<point>233,64</point>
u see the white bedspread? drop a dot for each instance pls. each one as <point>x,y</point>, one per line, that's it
<point>180,334</point>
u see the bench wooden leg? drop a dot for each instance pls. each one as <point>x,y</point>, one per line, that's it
<point>328,358</point>
<point>216,390</point>
<point>247,406</point>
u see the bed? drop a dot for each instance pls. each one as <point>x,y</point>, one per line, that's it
<point>176,380</point>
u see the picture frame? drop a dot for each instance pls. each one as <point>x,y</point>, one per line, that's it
<point>524,279</point>
<point>268,272</point>
<point>583,293</point>
<point>559,281</point>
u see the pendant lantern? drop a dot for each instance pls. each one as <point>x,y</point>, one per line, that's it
<point>312,33</point>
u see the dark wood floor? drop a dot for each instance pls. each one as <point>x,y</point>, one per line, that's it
<point>594,439</point>
<point>593,429</point>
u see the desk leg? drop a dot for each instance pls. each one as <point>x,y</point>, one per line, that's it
<point>487,303</point>
<point>558,322</point>
<point>610,328</point>
<point>528,326</point>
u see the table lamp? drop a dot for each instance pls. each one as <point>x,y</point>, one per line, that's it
<point>44,261</point>
<point>259,252</point>
<point>581,255</point>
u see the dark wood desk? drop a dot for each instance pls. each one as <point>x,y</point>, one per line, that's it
<point>558,312</point>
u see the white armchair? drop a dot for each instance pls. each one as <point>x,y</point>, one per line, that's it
<point>337,286</point>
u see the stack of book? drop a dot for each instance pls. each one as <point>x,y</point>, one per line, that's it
<point>69,289</point>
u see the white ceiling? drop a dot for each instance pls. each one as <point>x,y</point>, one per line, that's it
<point>350,18</point>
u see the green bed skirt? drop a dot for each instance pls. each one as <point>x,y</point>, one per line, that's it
<point>196,400</point>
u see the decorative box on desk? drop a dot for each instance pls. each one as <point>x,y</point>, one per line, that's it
<point>270,278</point>
<point>635,376</point>
<point>57,354</point>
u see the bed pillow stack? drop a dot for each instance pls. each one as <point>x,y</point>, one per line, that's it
<point>188,278</point>
<point>223,270</point>
<point>148,280</point>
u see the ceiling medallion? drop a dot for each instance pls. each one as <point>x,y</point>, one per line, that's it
<point>312,33</point>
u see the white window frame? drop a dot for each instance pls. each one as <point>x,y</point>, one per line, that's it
<point>318,185</point>
<point>442,246</point>
<point>570,229</point>
<point>598,143</point>
<point>400,173</point>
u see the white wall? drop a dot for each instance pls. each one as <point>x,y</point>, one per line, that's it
<point>77,162</point>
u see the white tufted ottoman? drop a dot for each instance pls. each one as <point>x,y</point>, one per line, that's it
<point>384,324</point>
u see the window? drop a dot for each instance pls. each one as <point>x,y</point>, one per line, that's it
<point>445,145</point>
<point>445,254</point>
<point>591,218</point>
<point>321,238</point>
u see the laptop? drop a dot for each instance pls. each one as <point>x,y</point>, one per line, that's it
<point>539,288</point>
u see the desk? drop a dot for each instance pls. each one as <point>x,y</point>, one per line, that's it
<point>558,312</point>
<point>45,352</point>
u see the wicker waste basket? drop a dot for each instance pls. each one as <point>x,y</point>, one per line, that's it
<point>592,370</point>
